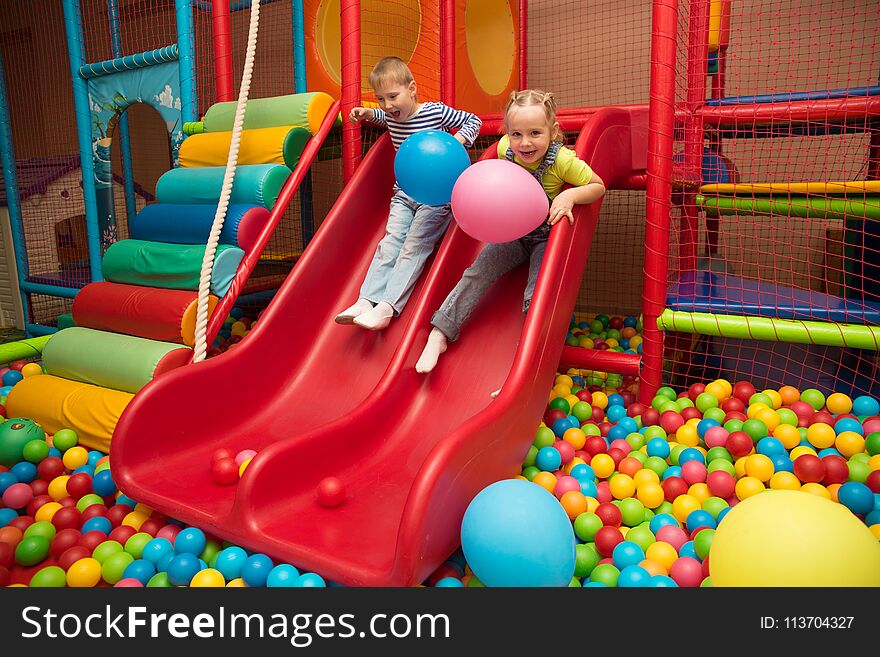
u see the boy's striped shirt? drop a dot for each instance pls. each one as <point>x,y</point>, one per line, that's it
<point>431,116</point>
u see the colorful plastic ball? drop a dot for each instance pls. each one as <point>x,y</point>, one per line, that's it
<point>449,582</point>
<point>159,581</point>
<point>84,573</point>
<point>11,377</point>
<point>310,580</point>
<point>191,540</point>
<point>35,451</point>
<point>633,576</point>
<point>139,569</point>
<point>518,513</point>
<point>230,561</point>
<point>207,578</point>
<point>700,518</point>
<point>103,484</point>
<point>809,468</point>
<point>64,439</point>
<point>31,550</point>
<point>548,459</point>
<point>856,497</point>
<point>18,496</point>
<point>330,492</point>
<point>627,553</point>
<point>605,574</point>
<point>183,568</point>
<point>155,549</point>
<point>787,538</point>
<point>687,572</point>
<point>49,577</point>
<point>865,405</point>
<point>98,523</point>
<point>256,569</point>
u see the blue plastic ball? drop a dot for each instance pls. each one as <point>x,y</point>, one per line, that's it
<point>661,520</point>
<point>671,471</point>
<point>190,541</point>
<point>723,513</point>
<point>856,497</point>
<point>691,454</point>
<point>11,377</point>
<point>103,484</point>
<point>282,575</point>
<point>230,562</point>
<point>700,518</point>
<point>256,569</point>
<point>865,405</point>
<point>615,400</point>
<point>155,549</point>
<point>705,424</point>
<point>583,472</point>
<point>633,576</point>
<point>873,518</point>
<point>6,480</point>
<point>848,424</point>
<point>629,424</point>
<point>782,463</point>
<point>88,469</point>
<point>617,431</point>
<point>139,569</point>
<point>627,553</point>
<point>548,459</point>
<point>310,580</point>
<point>658,447</point>
<point>589,488</point>
<point>770,446</point>
<point>94,457</point>
<point>164,561</point>
<point>687,550</point>
<point>7,516</point>
<point>560,426</point>
<point>662,581</point>
<point>125,499</point>
<point>449,583</point>
<point>515,533</point>
<point>828,451</point>
<point>99,523</point>
<point>54,451</point>
<point>614,413</point>
<point>428,163</point>
<point>25,471</point>
<point>183,568</point>
<point>630,321</point>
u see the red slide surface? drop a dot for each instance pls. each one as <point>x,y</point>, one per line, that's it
<point>315,399</point>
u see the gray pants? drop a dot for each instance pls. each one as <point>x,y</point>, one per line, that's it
<point>494,261</point>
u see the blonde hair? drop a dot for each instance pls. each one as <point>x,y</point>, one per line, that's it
<point>390,69</point>
<point>531,97</point>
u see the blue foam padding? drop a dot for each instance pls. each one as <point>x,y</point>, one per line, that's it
<point>186,224</point>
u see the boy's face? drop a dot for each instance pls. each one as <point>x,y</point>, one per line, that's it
<point>397,100</point>
<point>530,135</point>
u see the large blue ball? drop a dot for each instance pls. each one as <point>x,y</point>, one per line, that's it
<point>515,533</point>
<point>427,165</point>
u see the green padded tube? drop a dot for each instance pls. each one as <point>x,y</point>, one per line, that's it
<point>109,360</point>
<point>794,206</point>
<point>269,112</point>
<point>169,266</point>
<point>254,184</point>
<point>22,349</point>
<point>294,143</point>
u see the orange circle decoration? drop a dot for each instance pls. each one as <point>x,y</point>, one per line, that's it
<point>490,43</point>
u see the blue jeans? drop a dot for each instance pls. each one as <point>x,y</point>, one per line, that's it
<point>412,232</point>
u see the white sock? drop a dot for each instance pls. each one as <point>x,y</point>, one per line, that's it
<point>376,318</point>
<point>435,346</point>
<point>347,316</point>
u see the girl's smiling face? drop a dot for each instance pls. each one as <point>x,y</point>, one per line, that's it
<point>530,134</point>
<point>398,101</point>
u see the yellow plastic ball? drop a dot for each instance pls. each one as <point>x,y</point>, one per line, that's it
<point>785,481</point>
<point>208,578</point>
<point>875,529</point>
<point>775,397</point>
<point>816,489</point>
<point>237,583</point>
<point>717,390</point>
<point>574,461</point>
<point>756,408</point>
<point>821,435</point>
<point>575,437</point>
<point>546,480</point>
<point>739,466</point>
<point>687,435</point>
<point>46,512</point>
<point>788,539</point>
<point>592,504</point>
<point>84,573</point>
<point>645,476</point>
<point>874,462</point>
<point>748,487</point>
<point>653,567</point>
<point>683,505</point>
<point>849,443</point>
<point>621,486</point>
<point>663,553</point>
<point>563,379</point>
<point>75,457</point>
<point>635,341</point>
<point>788,435</point>
<point>58,487</point>
<point>769,417</point>
<point>560,390</point>
<point>586,342</point>
<point>603,465</point>
<point>650,494</point>
<point>31,369</point>
<point>140,507</point>
<point>700,492</point>
<point>760,467</point>
<point>600,399</point>
<point>135,519</point>
<point>611,342</point>
<point>800,450</point>
<point>838,403</point>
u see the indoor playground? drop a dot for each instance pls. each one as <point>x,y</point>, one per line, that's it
<point>184,211</point>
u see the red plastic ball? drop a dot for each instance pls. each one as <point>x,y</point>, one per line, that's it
<point>21,523</point>
<point>67,501</point>
<point>7,555</point>
<point>565,449</point>
<point>673,487</point>
<point>34,505</point>
<point>872,481</point>
<point>743,390</point>
<point>39,486</point>
<point>68,517</point>
<point>739,443</point>
<point>672,534</point>
<point>122,533</point>
<point>617,454</point>
<point>585,396</point>
<point>330,491</point>
<point>552,415</point>
<point>809,468</point>
<point>733,405</point>
<point>609,514</point>
<point>687,572</point>
<point>79,484</point>
<point>73,554</point>
<point>222,453</point>
<point>671,421</point>
<point>224,471</point>
<point>606,539</point>
<point>92,539</point>
<point>49,468</point>
<point>822,416</point>
<point>152,525</point>
<point>93,511</point>
<point>169,531</point>
<point>721,484</point>
<point>62,541</point>
<point>5,578</point>
<point>736,415</point>
<point>635,409</point>
<point>603,492</point>
<point>836,469</point>
<point>116,514</point>
<point>690,413</point>
<point>595,445</point>
<point>695,390</point>
<point>651,417</point>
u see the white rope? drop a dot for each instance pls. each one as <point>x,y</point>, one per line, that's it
<point>201,347</point>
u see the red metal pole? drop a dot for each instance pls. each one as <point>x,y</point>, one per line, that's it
<point>447,52</point>
<point>661,123</point>
<point>223,80</point>
<point>523,44</point>
<point>350,24</point>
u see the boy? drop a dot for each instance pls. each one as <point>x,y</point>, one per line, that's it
<point>413,229</point>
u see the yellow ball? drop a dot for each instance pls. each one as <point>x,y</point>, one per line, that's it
<point>84,573</point>
<point>785,481</point>
<point>760,467</point>
<point>838,403</point>
<point>243,466</point>
<point>769,417</point>
<point>546,480</point>
<point>650,494</point>
<point>700,491</point>
<point>622,486</point>
<point>564,379</point>
<point>874,462</point>
<point>611,342</point>
<point>663,553</point>
<point>600,399</point>
<point>717,390</point>
<point>821,435</point>
<point>140,507</point>
<point>560,390</point>
<point>683,505</point>
<point>592,504</point>
<point>237,583</point>
<point>75,457</point>
<point>756,408</point>
<point>775,397</point>
<point>875,529</point>
<point>31,369</point>
<point>603,465</point>
<point>786,538</point>
<point>726,384</point>
<point>849,443</point>
<point>208,578</point>
<point>574,461</point>
<point>238,328</point>
<point>645,476</point>
<point>788,435</point>
<point>800,451</point>
<point>748,487</point>
<point>58,487</point>
<point>739,467</point>
<point>46,512</point>
<point>687,435</point>
<point>135,519</point>
<point>816,489</point>
<point>635,341</point>
<point>572,400</point>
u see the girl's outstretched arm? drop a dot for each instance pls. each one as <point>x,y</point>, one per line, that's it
<point>566,200</point>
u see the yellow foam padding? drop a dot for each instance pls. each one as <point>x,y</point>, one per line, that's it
<point>847,187</point>
<point>56,403</point>
<point>719,24</point>
<point>188,321</point>
<point>279,145</point>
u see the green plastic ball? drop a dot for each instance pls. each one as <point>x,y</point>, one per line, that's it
<point>675,452</point>
<point>531,455</point>
<point>544,437</point>
<point>718,453</point>
<point>655,432</point>
<point>641,536</point>
<point>64,439</point>
<point>605,573</point>
<point>872,443</point>
<point>42,528</point>
<point>714,505</point>
<point>733,425</point>
<point>632,511</point>
<point>113,567</point>
<point>756,429</point>
<point>656,464</point>
<point>787,416</point>
<point>159,581</point>
<point>760,398</point>
<point>105,550</point>
<point>858,471</point>
<point>715,414</point>
<point>665,507</point>
<point>585,559</point>
<point>35,451</point>
<point>88,500</point>
<point>31,550</point>
<point>582,411</point>
<point>136,542</point>
<point>705,401</point>
<point>561,404</point>
<point>530,472</point>
<point>586,525</point>
<point>721,464</point>
<point>50,577</point>
<point>814,398</point>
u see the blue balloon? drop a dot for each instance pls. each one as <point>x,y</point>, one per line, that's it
<point>427,165</point>
<point>282,575</point>
<point>515,533</point>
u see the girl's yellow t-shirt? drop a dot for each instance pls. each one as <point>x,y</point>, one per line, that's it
<point>568,168</point>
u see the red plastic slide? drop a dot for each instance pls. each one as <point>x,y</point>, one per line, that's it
<point>317,400</point>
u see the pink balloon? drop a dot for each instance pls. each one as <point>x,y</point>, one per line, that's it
<point>498,201</point>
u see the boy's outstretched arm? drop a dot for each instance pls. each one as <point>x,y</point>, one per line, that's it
<point>566,200</point>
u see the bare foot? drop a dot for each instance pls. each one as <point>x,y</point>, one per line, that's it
<point>435,346</point>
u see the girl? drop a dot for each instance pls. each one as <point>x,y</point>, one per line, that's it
<point>533,141</point>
